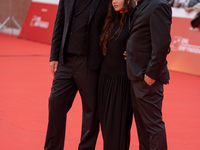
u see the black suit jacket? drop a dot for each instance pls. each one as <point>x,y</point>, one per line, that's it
<point>149,40</point>
<point>61,28</point>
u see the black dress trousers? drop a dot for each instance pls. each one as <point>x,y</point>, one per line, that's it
<point>147,105</point>
<point>72,76</point>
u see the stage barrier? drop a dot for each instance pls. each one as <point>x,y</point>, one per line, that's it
<point>185,45</point>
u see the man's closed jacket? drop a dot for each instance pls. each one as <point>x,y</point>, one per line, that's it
<point>61,28</point>
<point>148,43</point>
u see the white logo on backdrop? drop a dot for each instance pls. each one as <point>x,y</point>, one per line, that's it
<point>37,22</point>
<point>182,44</point>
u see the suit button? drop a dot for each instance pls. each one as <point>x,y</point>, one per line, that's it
<point>74,18</point>
<point>71,32</point>
<point>86,20</point>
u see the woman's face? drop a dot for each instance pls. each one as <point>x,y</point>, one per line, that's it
<point>118,5</point>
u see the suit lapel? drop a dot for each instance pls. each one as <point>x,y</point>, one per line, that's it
<point>69,6</point>
<point>137,12</point>
<point>83,6</point>
<point>94,6</point>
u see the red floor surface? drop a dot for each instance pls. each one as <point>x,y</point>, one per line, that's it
<point>25,82</point>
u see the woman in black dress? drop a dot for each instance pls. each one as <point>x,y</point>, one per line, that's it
<point>114,101</point>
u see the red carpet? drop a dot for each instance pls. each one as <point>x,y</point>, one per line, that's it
<point>25,82</point>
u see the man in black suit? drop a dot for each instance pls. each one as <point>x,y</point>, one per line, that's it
<point>75,62</point>
<point>147,48</point>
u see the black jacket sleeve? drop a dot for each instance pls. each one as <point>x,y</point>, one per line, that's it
<point>160,23</point>
<point>57,32</point>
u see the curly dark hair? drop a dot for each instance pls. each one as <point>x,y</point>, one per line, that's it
<point>111,20</point>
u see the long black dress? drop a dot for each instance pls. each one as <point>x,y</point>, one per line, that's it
<point>114,101</point>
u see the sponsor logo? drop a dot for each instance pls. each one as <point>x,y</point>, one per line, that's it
<point>182,44</point>
<point>36,21</point>
<point>44,10</point>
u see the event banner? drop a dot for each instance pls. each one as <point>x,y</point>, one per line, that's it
<point>39,22</point>
<point>185,45</point>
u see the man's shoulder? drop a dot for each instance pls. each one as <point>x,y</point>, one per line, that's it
<point>159,2</point>
<point>163,4</point>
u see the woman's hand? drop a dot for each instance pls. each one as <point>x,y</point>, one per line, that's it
<point>124,55</point>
